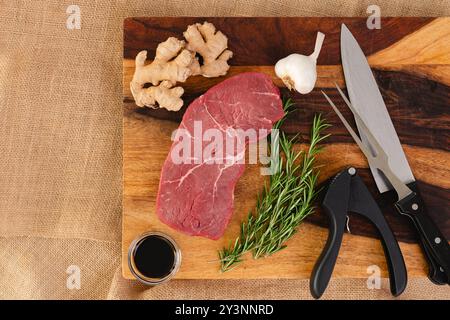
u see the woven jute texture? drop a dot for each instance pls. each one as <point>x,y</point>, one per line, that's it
<point>61,146</point>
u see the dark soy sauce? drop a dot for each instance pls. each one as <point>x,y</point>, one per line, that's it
<point>154,257</point>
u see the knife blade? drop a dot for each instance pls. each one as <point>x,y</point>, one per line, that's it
<point>375,125</point>
<point>366,98</point>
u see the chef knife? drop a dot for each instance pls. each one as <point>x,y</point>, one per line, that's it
<point>366,99</point>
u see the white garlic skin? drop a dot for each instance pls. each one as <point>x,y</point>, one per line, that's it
<point>300,69</point>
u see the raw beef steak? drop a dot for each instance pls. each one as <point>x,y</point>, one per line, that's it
<point>196,196</point>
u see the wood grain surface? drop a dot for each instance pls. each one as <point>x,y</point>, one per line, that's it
<point>410,58</point>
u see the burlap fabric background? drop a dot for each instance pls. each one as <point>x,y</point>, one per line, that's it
<point>60,146</point>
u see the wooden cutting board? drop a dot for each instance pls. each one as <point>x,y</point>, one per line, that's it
<point>411,61</point>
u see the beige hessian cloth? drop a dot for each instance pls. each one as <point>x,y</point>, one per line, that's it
<point>61,140</point>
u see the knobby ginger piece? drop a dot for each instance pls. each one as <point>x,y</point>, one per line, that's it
<point>172,64</point>
<point>175,61</point>
<point>163,96</point>
<point>212,46</point>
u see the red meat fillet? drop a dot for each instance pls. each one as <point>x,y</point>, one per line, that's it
<point>196,196</point>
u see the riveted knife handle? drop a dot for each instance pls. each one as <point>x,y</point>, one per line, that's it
<point>435,274</point>
<point>325,264</point>
<point>436,247</point>
<point>434,243</point>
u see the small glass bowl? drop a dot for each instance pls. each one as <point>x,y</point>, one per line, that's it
<point>153,281</point>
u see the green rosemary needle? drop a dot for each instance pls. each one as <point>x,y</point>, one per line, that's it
<point>285,201</point>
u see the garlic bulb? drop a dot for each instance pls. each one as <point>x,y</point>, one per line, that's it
<point>299,71</point>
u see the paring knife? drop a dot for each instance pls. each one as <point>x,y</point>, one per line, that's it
<point>383,150</point>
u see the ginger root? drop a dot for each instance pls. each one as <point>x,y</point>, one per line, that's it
<point>171,65</point>
<point>211,45</point>
<point>175,61</point>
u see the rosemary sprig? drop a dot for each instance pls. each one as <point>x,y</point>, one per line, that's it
<point>285,202</point>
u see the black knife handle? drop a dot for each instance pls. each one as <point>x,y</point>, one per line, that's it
<point>434,244</point>
<point>436,275</point>
<point>325,264</point>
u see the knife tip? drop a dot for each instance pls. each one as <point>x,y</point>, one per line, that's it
<point>344,28</point>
